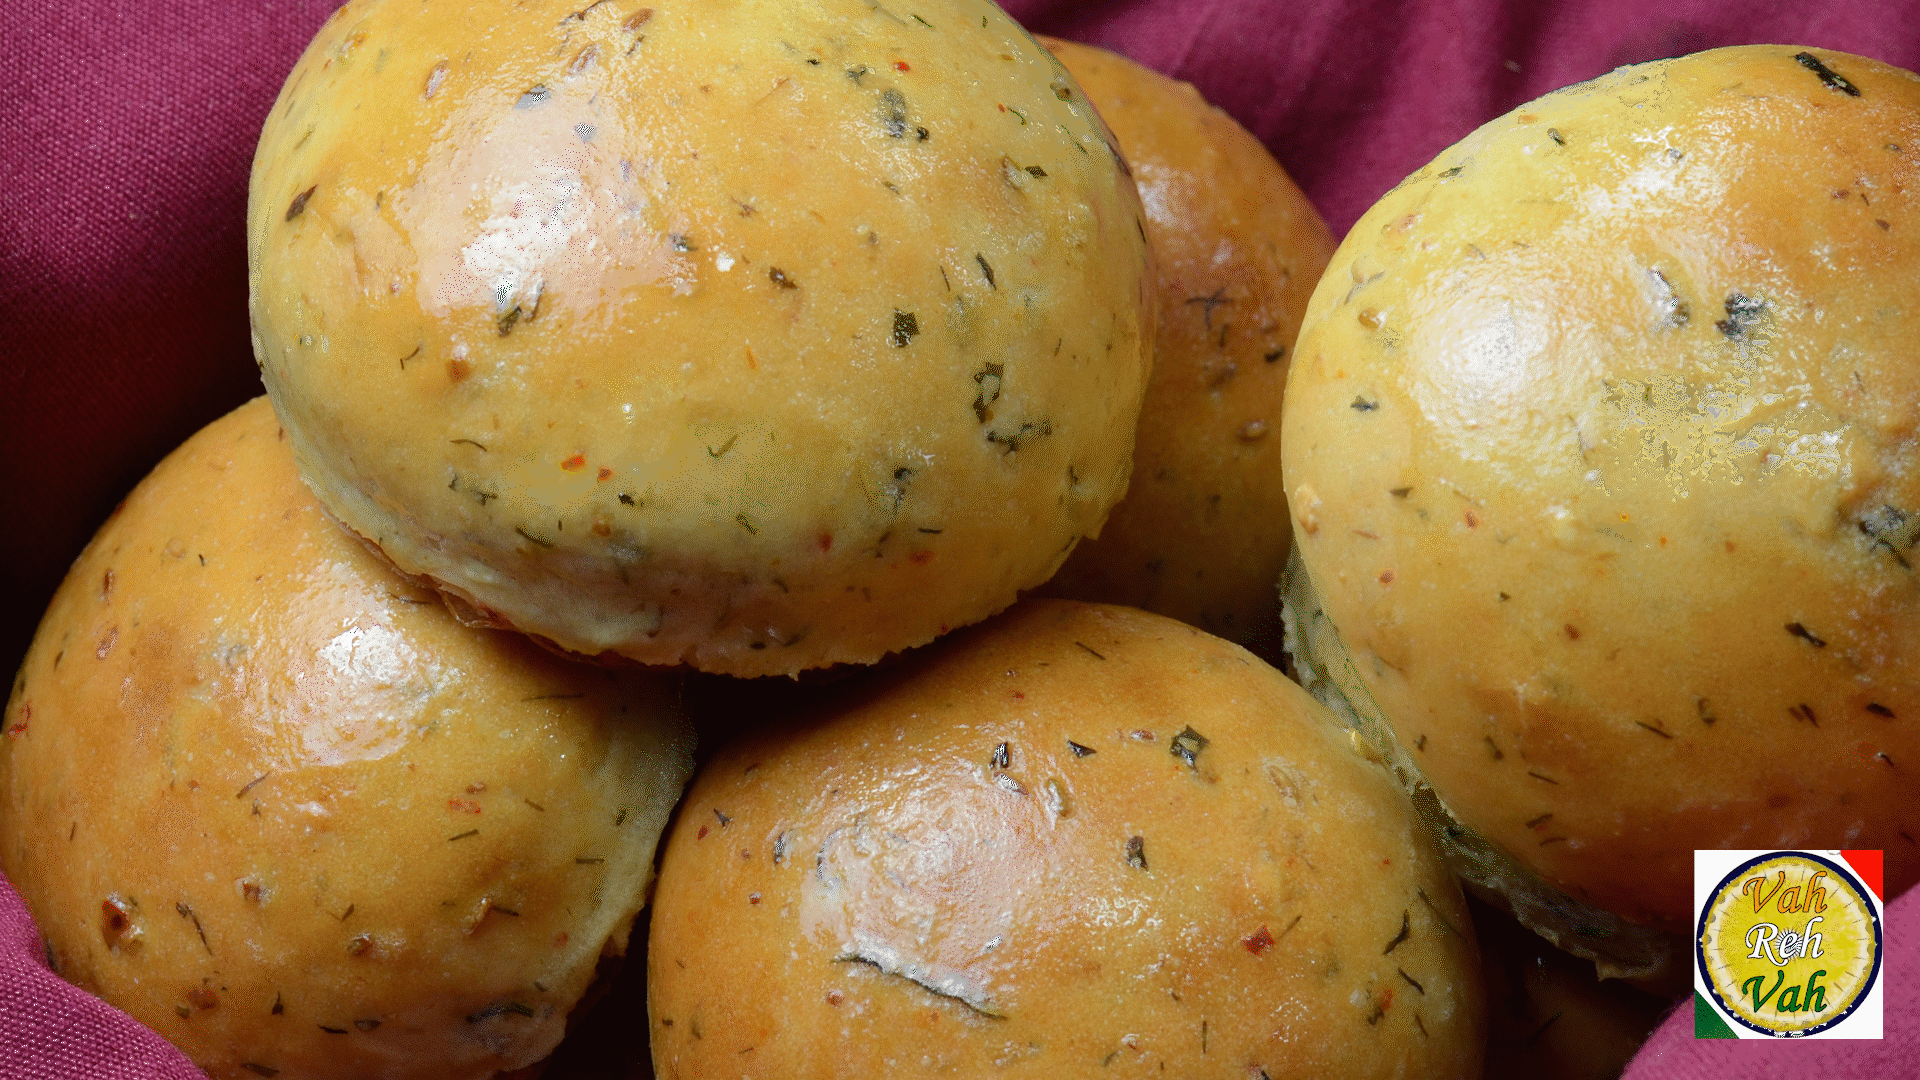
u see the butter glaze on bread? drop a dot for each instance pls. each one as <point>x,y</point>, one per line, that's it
<point>758,337</point>
<point>275,802</point>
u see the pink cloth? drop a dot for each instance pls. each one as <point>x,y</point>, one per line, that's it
<point>126,128</point>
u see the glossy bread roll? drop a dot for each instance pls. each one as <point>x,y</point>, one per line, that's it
<point>758,338</point>
<point>275,802</point>
<point>1076,841</point>
<point>1601,451</point>
<point>1203,533</point>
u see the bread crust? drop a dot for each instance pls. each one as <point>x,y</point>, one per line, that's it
<point>1601,451</point>
<point>275,802</point>
<point>759,340</point>
<point>1203,532</point>
<point>1073,840</point>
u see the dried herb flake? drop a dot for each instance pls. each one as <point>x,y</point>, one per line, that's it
<point>1187,745</point>
<point>905,327</point>
<point>1832,79</point>
<point>1806,635</point>
<point>299,204</point>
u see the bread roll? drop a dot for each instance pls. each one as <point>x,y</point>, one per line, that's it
<point>1600,449</point>
<point>1203,533</point>
<point>758,338</point>
<point>1075,841</point>
<point>272,800</point>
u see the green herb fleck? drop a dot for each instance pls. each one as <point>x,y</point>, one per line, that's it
<point>1831,78</point>
<point>893,113</point>
<point>905,327</point>
<point>1187,745</point>
<point>989,379</point>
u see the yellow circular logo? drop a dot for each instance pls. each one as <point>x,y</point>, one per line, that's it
<point>1789,943</point>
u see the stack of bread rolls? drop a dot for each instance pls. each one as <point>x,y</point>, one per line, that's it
<point>619,353</point>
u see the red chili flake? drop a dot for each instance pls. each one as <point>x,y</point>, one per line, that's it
<point>560,939</point>
<point>458,369</point>
<point>921,558</point>
<point>1473,520</point>
<point>605,473</point>
<point>202,997</point>
<point>1386,577</point>
<point>1573,632</point>
<point>835,997</point>
<point>901,65</point>
<point>1020,696</point>
<point>574,463</point>
<point>826,541</point>
<point>702,834</point>
<point>17,730</point>
<point>1003,108</point>
<point>466,805</point>
<point>753,898</point>
<point>1258,941</point>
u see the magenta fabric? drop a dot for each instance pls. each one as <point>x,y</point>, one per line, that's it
<point>126,128</point>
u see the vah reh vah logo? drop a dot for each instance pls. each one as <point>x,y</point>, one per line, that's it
<point>1789,944</point>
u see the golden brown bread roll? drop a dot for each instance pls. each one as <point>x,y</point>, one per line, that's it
<point>759,339</point>
<point>1600,445</point>
<point>275,802</point>
<point>1203,533</point>
<point>1074,841</point>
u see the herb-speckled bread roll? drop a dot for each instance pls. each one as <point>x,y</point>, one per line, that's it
<point>761,337</point>
<point>1600,444</point>
<point>1203,533</point>
<point>1076,841</point>
<point>275,802</point>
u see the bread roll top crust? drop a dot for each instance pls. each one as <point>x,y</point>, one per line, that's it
<point>1600,446</point>
<point>1071,840</point>
<point>1203,533</point>
<point>756,336</point>
<point>274,801</point>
